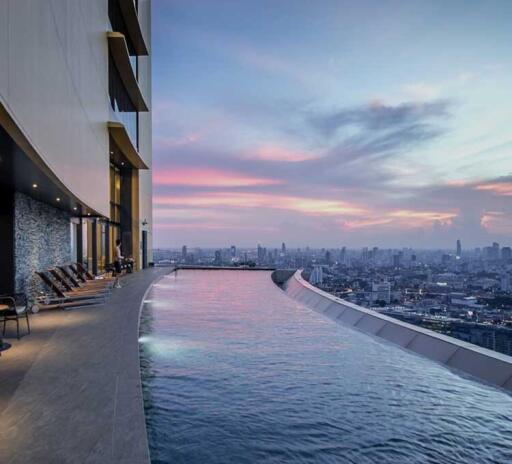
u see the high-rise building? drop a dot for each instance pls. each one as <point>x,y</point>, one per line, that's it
<point>317,276</point>
<point>495,250</point>
<point>459,249</point>
<point>506,253</point>
<point>218,257</point>
<point>262,252</point>
<point>381,291</point>
<point>505,283</point>
<point>283,248</point>
<point>184,252</point>
<point>343,255</point>
<point>233,251</point>
<point>75,136</point>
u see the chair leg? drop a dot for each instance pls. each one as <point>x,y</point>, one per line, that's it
<point>5,320</point>
<point>28,324</point>
<point>18,327</point>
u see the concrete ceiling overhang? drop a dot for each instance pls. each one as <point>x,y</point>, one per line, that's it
<point>24,170</point>
<point>121,138</point>
<point>119,51</point>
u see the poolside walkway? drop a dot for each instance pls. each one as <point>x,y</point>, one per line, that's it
<point>70,392</point>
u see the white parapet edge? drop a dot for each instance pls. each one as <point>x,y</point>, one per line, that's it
<point>485,365</point>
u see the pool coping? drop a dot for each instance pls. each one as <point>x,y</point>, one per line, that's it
<point>482,364</point>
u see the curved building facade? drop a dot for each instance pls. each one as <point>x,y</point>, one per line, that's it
<point>75,135</point>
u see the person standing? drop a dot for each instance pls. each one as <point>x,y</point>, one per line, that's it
<point>118,263</point>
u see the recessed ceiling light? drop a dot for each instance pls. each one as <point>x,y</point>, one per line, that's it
<point>122,163</point>
<point>111,152</point>
<point>75,208</point>
<point>88,214</point>
<point>34,186</point>
<point>58,199</point>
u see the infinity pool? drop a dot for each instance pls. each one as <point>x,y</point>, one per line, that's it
<point>234,371</point>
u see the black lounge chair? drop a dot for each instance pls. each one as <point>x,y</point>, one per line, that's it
<point>86,277</point>
<point>17,308</point>
<point>69,287</point>
<point>68,274</point>
<point>64,299</point>
<point>82,270</point>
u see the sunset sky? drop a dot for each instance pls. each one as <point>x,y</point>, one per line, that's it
<point>331,123</point>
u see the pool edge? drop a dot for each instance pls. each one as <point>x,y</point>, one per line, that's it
<point>481,364</point>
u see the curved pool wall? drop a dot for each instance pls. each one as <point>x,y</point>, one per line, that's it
<point>234,370</point>
<point>486,365</point>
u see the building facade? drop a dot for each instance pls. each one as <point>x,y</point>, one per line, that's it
<point>75,135</point>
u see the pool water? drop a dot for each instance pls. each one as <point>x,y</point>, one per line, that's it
<point>235,371</point>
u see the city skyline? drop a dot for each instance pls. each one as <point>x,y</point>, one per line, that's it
<point>329,125</point>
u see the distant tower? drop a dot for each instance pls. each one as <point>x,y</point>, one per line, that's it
<point>233,251</point>
<point>343,255</point>
<point>459,249</point>
<point>505,283</point>
<point>495,250</point>
<point>260,254</point>
<point>283,248</point>
<point>317,276</point>
<point>184,252</point>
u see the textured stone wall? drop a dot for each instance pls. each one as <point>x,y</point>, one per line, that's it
<point>41,241</point>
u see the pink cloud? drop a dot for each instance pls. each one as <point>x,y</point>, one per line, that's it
<point>305,205</point>
<point>209,177</point>
<point>496,222</point>
<point>402,219</point>
<point>500,189</point>
<point>277,153</point>
<point>211,226</point>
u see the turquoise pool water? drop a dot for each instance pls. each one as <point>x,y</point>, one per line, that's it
<point>234,371</point>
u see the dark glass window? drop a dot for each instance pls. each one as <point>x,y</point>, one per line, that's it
<point>121,104</point>
<point>114,228</point>
<point>117,21</point>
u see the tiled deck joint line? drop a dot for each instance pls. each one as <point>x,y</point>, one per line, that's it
<point>70,392</point>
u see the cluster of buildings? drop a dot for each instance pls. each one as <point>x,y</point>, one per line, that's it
<point>462,293</point>
<point>75,136</point>
<point>229,256</point>
<point>465,294</point>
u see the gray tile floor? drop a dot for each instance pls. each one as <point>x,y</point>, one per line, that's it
<point>70,392</point>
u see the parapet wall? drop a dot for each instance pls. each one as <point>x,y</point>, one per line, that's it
<point>486,365</point>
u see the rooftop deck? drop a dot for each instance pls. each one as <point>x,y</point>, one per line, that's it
<point>70,391</point>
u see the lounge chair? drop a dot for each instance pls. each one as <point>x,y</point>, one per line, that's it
<point>86,277</point>
<point>68,272</point>
<point>71,285</point>
<point>17,308</point>
<point>72,290</point>
<point>61,297</point>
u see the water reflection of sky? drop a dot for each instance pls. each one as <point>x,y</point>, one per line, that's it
<point>235,371</point>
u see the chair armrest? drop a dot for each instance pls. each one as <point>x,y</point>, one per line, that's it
<point>9,300</point>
